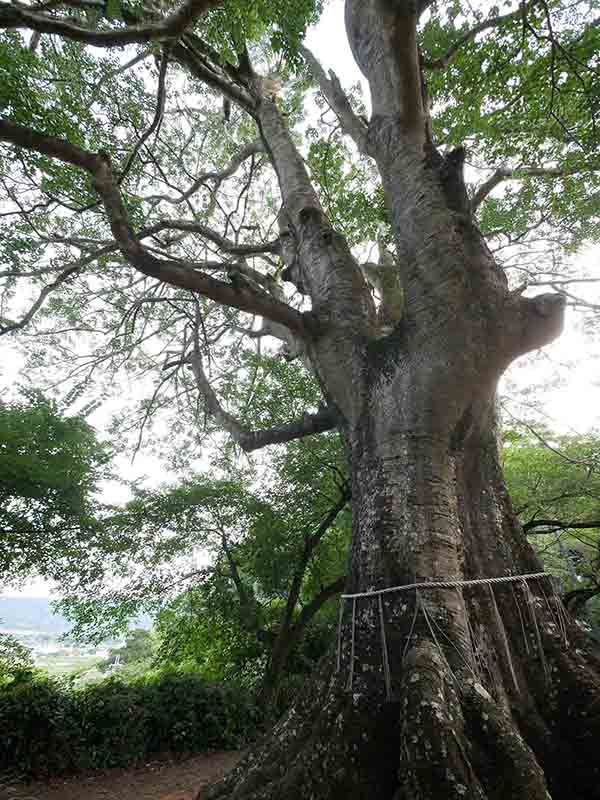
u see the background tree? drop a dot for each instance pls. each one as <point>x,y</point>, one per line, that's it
<point>51,464</point>
<point>16,663</point>
<point>554,484</point>
<point>137,652</point>
<point>449,703</point>
<point>238,565</point>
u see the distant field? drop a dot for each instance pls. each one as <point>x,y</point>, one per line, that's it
<point>66,665</point>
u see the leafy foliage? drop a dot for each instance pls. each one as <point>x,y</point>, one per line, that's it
<point>51,465</point>
<point>16,663</point>
<point>282,23</point>
<point>555,487</point>
<point>349,189</point>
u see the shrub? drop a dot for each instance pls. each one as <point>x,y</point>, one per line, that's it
<point>16,662</point>
<point>40,730</point>
<point>113,722</point>
<point>48,727</point>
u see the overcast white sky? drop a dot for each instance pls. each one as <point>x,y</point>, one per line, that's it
<point>573,406</point>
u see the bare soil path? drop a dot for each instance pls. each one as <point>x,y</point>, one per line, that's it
<point>161,779</point>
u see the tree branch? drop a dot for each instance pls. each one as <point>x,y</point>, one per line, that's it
<point>506,173</point>
<point>39,302</point>
<point>111,75</point>
<point>310,545</point>
<point>577,598</point>
<point>352,125</point>
<point>158,116</point>
<point>224,244</point>
<point>468,36</point>
<point>13,15</point>
<point>248,605</point>
<point>253,148</point>
<point>310,609</point>
<point>324,420</point>
<point>557,525</point>
<point>182,18</point>
<point>533,322</point>
<point>244,298</point>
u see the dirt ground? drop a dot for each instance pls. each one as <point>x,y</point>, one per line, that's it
<point>161,779</point>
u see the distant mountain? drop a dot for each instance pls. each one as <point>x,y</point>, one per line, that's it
<point>35,614</point>
<point>31,614</point>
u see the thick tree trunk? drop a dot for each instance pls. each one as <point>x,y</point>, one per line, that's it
<point>484,698</point>
<point>434,692</point>
<point>460,692</point>
<point>483,691</point>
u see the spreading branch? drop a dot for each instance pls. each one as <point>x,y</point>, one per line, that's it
<point>109,76</point>
<point>249,150</point>
<point>14,15</point>
<point>224,244</point>
<point>576,599</point>
<point>554,525</point>
<point>156,121</point>
<point>331,87</point>
<point>492,22</point>
<point>177,273</point>
<point>311,543</point>
<point>310,609</point>
<point>505,173</point>
<point>324,420</point>
<point>43,295</point>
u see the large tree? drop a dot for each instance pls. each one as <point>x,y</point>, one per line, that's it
<point>452,701</point>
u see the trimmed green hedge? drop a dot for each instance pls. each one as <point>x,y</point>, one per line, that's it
<point>49,728</point>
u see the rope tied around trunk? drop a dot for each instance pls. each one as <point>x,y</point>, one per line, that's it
<point>555,608</point>
<point>449,584</point>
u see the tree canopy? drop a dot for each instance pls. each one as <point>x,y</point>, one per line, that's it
<point>198,188</point>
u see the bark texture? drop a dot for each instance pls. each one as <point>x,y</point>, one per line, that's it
<point>485,702</point>
<point>463,692</point>
<point>441,692</point>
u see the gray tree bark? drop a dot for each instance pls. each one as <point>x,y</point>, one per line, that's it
<point>488,694</point>
<point>483,694</point>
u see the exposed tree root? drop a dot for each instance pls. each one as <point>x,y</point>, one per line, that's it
<point>446,738</point>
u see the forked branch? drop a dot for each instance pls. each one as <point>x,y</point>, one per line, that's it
<point>177,273</point>
<point>351,123</point>
<point>15,15</point>
<point>324,420</point>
